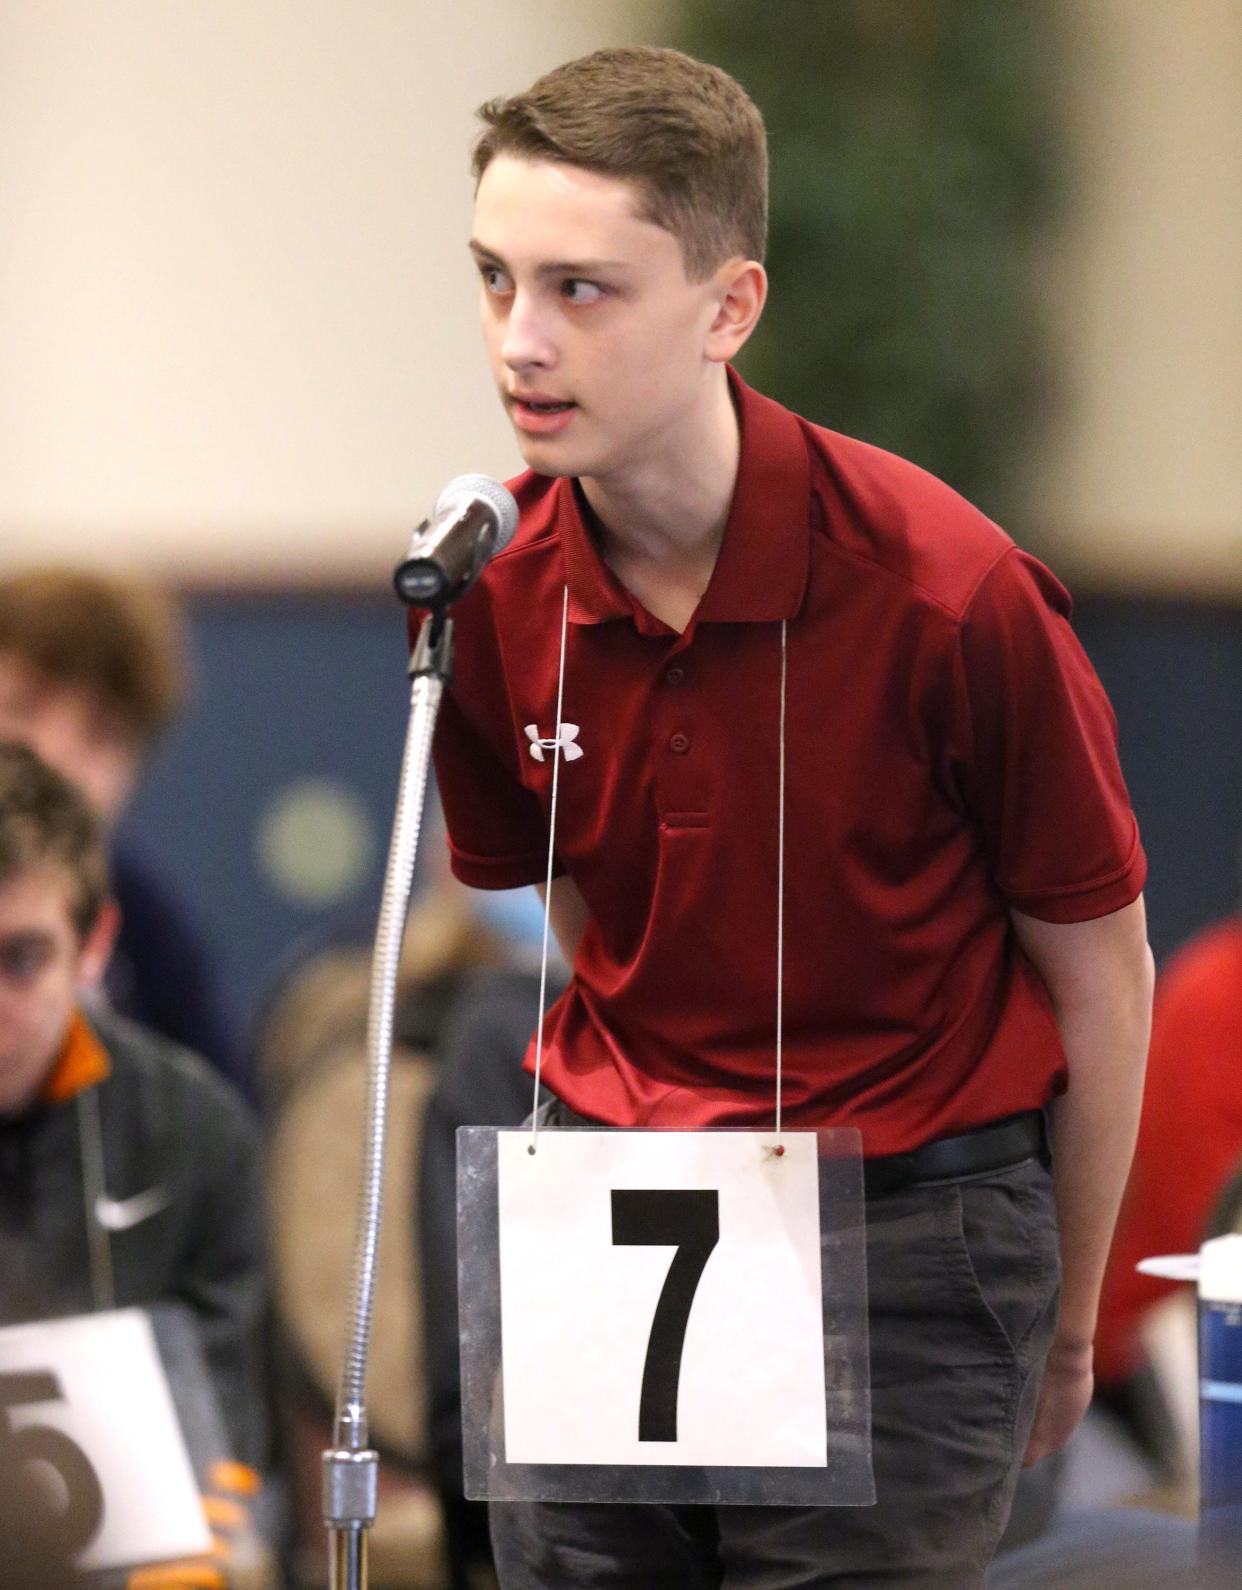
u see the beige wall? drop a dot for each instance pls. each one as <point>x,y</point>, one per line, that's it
<point>237,322</point>
<point>1142,478</point>
<point>237,327</point>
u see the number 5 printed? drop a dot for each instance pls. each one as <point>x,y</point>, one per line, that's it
<point>83,1508</point>
<point>690,1222</point>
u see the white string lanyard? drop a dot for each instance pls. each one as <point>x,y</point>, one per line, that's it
<point>557,747</point>
<point>780,887</point>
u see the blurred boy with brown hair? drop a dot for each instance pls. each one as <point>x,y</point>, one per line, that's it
<point>92,672</point>
<point>129,1174</point>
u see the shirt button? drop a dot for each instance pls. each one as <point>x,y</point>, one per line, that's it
<point>674,675</point>
<point>679,743</point>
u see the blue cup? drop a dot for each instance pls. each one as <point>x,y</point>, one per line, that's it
<point>1220,1399</point>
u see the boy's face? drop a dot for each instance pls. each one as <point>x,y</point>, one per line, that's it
<point>74,730</point>
<point>44,968</point>
<point>599,343</point>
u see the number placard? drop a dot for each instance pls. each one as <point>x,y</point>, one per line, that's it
<point>87,1399</point>
<point>661,1299</point>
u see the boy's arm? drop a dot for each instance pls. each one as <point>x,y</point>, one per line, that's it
<point>569,914</point>
<point>1099,975</point>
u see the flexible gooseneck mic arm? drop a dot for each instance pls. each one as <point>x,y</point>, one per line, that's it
<point>350,1466</point>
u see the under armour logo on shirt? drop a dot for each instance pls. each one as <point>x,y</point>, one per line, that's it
<point>564,742</point>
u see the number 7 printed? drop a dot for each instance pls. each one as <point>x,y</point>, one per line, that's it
<point>688,1220</point>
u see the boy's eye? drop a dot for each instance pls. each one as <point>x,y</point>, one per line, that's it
<point>19,701</point>
<point>495,280</point>
<point>23,958</point>
<point>582,292</point>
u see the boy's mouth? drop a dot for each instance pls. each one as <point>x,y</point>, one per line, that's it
<point>542,415</point>
<point>542,405</point>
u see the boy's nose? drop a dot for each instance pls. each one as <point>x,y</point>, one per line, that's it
<point>526,340</point>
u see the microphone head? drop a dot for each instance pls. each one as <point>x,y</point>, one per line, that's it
<point>490,491</point>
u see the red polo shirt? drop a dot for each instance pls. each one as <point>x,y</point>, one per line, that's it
<point>950,753</point>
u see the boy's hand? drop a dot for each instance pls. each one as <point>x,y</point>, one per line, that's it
<point>1063,1399</point>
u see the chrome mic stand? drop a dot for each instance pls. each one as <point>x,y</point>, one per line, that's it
<point>350,1466</point>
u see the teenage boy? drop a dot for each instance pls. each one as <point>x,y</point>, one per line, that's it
<point>963,925</point>
<point>129,1174</point>
<point>91,674</point>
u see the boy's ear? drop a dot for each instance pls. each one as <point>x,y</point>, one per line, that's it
<point>741,287</point>
<point>98,945</point>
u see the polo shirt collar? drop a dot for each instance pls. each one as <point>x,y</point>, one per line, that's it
<point>762,567</point>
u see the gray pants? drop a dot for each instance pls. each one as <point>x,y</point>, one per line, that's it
<point>963,1282</point>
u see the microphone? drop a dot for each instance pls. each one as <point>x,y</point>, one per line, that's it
<point>473,519</point>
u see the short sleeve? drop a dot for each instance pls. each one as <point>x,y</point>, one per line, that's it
<point>497,832</point>
<point>1037,739</point>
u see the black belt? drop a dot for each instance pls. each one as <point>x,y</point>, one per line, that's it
<point>992,1147</point>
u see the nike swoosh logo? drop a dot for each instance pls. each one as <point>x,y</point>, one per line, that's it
<point>119,1214</point>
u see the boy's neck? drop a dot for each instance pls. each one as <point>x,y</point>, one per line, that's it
<point>670,510</point>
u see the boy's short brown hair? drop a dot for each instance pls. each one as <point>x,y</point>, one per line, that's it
<point>44,821</point>
<point>121,639</point>
<point>686,134</point>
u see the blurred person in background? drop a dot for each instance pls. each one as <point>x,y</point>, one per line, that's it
<point>311,1066</point>
<point>480,1082</point>
<point>129,1173</point>
<point>92,671</point>
<point>1189,1147</point>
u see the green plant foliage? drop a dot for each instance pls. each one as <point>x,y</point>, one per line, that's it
<point>912,166</point>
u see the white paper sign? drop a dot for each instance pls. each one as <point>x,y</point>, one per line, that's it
<point>661,1299</point>
<point>87,1396</point>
